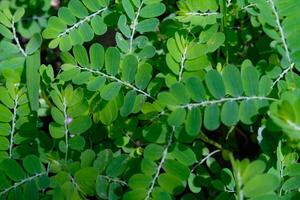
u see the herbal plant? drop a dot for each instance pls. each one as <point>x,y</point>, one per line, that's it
<point>149,99</point>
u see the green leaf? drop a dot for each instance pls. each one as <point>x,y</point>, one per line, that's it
<point>77,143</point>
<point>5,114</point>
<point>156,132</point>
<point>78,9</point>
<point>183,154</point>
<point>179,91</point>
<point>87,157</point>
<point>232,80</point>
<point>112,60</point>
<point>4,143</point>
<point>153,152</point>
<point>96,83</point>
<point>124,28</point>
<point>56,130</point>
<point>117,166</point>
<point>129,68</point>
<point>138,194</point>
<point>86,179</point>
<point>143,75</point>
<point>147,25</point>
<point>215,42</point>
<point>110,91</point>
<point>230,113</point>
<point>18,14</point>
<point>177,169</point>
<point>57,115</point>
<point>292,183</point>
<point>5,129</point>
<point>12,169</point>
<point>97,56</point>
<point>152,10</point>
<point>139,181</point>
<point>250,80</point>
<point>171,184</point>
<point>215,84</point>
<point>212,117</point>
<point>128,9</point>
<point>261,184</point>
<point>195,88</point>
<point>80,125</point>
<point>176,118</point>
<point>128,105</point>
<point>33,63</point>
<point>248,111</point>
<point>193,121</point>
<point>254,168</point>
<point>92,5</point>
<point>81,55</point>
<point>66,15</point>
<point>102,187</point>
<point>6,32</point>
<point>173,49</point>
<point>32,164</point>
<point>33,44</point>
<point>98,25</point>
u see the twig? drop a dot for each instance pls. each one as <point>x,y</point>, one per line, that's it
<point>183,58</point>
<point>133,26</point>
<point>66,122</point>
<point>76,25</point>
<point>222,100</point>
<point>283,40</point>
<point>13,126</point>
<point>164,156</point>
<point>201,14</point>
<point>17,39</point>
<point>17,184</point>
<point>118,80</point>
<point>204,159</point>
<point>110,179</point>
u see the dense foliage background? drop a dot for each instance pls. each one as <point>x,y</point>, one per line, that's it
<point>149,99</point>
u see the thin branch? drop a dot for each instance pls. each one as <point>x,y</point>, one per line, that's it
<point>66,122</point>
<point>17,184</point>
<point>164,156</point>
<point>86,19</point>
<point>283,74</point>
<point>282,34</point>
<point>118,80</point>
<point>283,40</point>
<point>133,26</point>
<point>201,13</point>
<point>204,159</point>
<point>13,126</point>
<point>110,179</point>
<point>183,58</point>
<point>249,6</point>
<point>210,102</point>
<point>17,39</point>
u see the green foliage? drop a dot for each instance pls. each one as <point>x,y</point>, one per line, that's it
<point>149,99</point>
